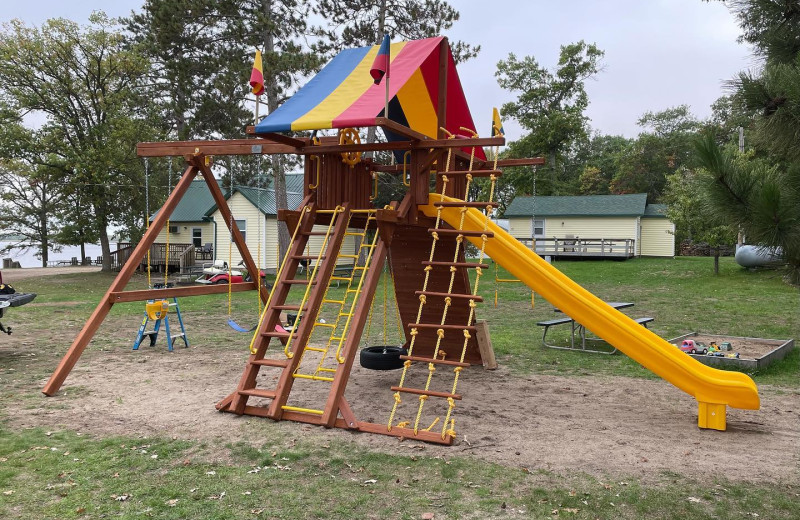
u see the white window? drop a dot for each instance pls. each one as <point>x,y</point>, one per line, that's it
<point>538,228</point>
<point>197,237</point>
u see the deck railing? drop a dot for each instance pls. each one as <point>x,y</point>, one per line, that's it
<point>583,247</point>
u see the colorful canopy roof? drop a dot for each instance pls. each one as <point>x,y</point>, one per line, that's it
<point>343,93</point>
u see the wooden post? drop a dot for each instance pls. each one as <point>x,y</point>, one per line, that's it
<point>336,395</point>
<point>101,311</point>
<point>485,345</point>
<point>441,105</point>
<point>314,302</point>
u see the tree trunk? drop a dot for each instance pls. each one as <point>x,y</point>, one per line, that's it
<point>271,88</point>
<point>716,260</point>
<point>44,235</point>
<point>105,246</point>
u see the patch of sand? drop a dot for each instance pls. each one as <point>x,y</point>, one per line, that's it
<point>14,275</point>
<point>605,426</point>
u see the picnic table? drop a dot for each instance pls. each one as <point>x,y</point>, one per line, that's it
<point>579,330</point>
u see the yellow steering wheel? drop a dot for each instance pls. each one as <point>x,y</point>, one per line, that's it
<point>350,136</point>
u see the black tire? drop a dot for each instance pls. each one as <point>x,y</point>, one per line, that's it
<point>382,357</point>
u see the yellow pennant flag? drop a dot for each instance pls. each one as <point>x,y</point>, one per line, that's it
<point>497,125</point>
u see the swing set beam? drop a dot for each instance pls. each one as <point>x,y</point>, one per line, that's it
<point>196,163</point>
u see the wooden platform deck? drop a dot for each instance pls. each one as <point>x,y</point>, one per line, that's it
<point>618,248</point>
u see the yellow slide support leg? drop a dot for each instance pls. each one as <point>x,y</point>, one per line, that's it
<point>711,416</point>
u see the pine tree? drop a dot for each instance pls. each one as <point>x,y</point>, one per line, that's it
<point>762,194</point>
<point>357,23</point>
<point>202,52</point>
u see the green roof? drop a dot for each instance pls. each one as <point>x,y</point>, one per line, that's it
<point>655,211</point>
<point>197,202</point>
<point>631,205</point>
<point>192,207</point>
<point>264,198</point>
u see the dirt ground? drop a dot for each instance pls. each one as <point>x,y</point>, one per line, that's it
<point>607,427</point>
<point>14,275</point>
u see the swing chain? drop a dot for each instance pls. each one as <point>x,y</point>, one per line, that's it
<point>147,213</point>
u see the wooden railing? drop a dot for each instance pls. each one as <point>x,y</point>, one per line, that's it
<point>120,256</point>
<point>181,256</point>
<point>583,247</point>
<point>186,259</point>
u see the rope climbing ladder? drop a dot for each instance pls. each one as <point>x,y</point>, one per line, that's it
<point>442,328</point>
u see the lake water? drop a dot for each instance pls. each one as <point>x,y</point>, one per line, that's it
<point>28,258</point>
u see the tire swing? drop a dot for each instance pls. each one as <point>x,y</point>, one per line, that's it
<point>383,357</point>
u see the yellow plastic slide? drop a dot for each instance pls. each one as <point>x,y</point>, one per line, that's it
<point>714,389</point>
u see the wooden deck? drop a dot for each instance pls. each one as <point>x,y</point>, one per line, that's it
<point>181,257</point>
<point>619,248</point>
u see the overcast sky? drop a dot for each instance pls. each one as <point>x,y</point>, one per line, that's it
<point>659,53</point>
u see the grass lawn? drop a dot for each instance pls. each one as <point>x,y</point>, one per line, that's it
<point>72,474</point>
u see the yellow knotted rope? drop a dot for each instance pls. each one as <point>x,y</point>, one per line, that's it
<point>422,299</point>
<point>166,253</point>
<point>448,425</point>
<point>478,273</point>
<point>448,301</point>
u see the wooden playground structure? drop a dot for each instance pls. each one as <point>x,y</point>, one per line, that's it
<point>431,135</point>
<point>427,260</point>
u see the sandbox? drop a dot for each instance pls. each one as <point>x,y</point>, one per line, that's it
<point>754,353</point>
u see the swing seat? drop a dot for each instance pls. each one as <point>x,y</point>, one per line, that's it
<point>156,310</point>
<point>238,328</point>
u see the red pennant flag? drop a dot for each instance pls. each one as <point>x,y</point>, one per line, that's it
<point>257,76</point>
<point>380,67</point>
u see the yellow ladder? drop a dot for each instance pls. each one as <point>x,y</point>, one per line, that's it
<point>343,308</point>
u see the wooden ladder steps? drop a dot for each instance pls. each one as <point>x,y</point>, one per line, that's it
<point>421,359</point>
<point>266,362</point>
<point>419,391</point>
<point>463,232</point>
<point>463,204</point>
<point>288,307</point>
<point>474,173</point>
<point>276,334</point>
<point>443,327</point>
<point>258,392</point>
<point>449,295</point>
<point>468,265</point>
